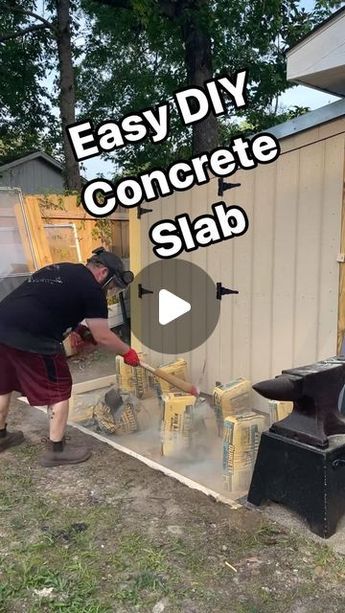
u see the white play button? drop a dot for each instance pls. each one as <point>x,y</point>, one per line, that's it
<point>171,307</point>
<point>175,306</point>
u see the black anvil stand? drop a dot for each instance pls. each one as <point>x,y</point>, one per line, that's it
<point>297,465</point>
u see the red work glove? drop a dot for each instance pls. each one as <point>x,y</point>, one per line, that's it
<point>131,358</point>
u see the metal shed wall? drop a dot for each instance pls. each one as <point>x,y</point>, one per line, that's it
<point>33,177</point>
<point>285,267</point>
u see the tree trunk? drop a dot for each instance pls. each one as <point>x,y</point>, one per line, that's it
<point>67,90</point>
<point>198,57</point>
<point>198,61</point>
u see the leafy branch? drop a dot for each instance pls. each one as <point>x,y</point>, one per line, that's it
<point>45,24</point>
<point>15,9</point>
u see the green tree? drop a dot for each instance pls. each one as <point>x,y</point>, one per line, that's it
<point>30,46</point>
<point>24,103</point>
<point>139,51</point>
<point>134,54</point>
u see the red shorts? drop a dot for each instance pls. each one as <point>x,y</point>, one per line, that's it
<point>43,379</point>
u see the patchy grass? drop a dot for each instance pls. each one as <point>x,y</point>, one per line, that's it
<point>64,548</point>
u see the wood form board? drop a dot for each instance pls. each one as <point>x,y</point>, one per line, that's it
<point>93,384</point>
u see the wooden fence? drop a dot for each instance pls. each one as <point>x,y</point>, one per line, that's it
<point>60,230</point>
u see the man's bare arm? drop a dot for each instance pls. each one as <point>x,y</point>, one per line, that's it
<point>102,334</point>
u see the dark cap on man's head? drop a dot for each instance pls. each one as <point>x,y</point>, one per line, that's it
<point>121,277</point>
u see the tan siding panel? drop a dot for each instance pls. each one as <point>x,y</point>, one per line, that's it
<point>308,252</point>
<point>330,246</point>
<point>333,128</point>
<point>284,267</point>
<point>300,140</point>
<point>214,255</point>
<point>159,208</point>
<point>198,360</point>
<point>243,270</point>
<point>322,132</point>
<point>262,277</point>
<point>284,262</point>
<point>227,354</point>
<point>135,253</point>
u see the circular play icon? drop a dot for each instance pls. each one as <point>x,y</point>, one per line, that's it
<point>174,306</point>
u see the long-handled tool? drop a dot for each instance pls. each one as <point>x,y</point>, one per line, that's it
<point>185,386</point>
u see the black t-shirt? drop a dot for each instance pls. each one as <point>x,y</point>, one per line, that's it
<point>51,303</point>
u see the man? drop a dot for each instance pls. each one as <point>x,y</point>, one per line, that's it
<point>34,320</point>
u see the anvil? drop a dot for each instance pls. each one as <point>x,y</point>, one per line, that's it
<point>314,391</point>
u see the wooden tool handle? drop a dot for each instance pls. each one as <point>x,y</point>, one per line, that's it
<point>185,386</point>
<point>147,367</point>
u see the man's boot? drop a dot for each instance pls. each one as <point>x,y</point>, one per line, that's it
<point>58,454</point>
<point>10,439</point>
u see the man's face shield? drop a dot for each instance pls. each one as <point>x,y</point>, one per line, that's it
<point>116,279</point>
<point>116,283</point>
<point>111,289</point>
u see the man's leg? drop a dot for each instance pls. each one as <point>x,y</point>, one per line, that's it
<point>59,453</point>
<point>58,415</point>
<point>4,408</point>
<point>7,439</point>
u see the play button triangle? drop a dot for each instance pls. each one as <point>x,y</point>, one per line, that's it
<point>171,307</point>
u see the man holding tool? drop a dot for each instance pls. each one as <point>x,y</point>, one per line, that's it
<point>34,320</point>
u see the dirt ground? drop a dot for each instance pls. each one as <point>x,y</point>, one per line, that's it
<point>113,535</point>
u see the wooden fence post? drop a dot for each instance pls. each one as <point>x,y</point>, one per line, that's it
<point>37,233</point>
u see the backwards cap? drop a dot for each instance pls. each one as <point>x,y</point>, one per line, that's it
<point>115,266</point>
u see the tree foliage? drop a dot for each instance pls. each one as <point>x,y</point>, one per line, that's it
<point>132,54</point>
<point>135,57</point>
<point>58,31</point>
<point>25,102</point>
